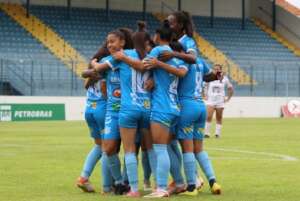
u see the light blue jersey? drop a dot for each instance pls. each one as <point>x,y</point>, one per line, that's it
<point>164,95</point>
<point>113,103</point>
<point>190,86</point>
<point>94,93</point>
<point>134,96</point>
<point>189,45</point>
<point>95,110</point>
<point>113,87</point>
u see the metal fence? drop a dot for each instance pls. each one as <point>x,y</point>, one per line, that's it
<point>40,77</point>
<point>46,77</point>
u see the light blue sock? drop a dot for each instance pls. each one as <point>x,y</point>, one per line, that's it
<point>175,167</point>
<point>146,166</point>
<point>91,160</point>
<point>205,164</point>
<point>124,173</point>
<point>131,165</point>
<point>107,180</point>
<point>189,164</point>
<point>163,165</point>
<point>153,162</point>
<point>176,149</point>
<point>115,167</point>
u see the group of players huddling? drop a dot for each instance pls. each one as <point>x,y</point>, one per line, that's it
<point>146,92</point>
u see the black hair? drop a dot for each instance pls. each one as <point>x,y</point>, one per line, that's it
<point>124,34</point>
<point>176,46</point>
<point>102,52</point>
<point>184,18</point>
<point>140,37</point>
<point>165,31</point>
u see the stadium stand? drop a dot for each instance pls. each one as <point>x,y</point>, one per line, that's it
<point>28,66</point>
<point>249,53</point>
<point>267,61</point>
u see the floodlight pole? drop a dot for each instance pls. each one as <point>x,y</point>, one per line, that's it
<point>144,9</point>
<point>107,10</point>
<point>179,5</point>
<point>212,8</point>
<point>27,8</point>
<point>274,15</point>
<point>69,9</point>
<point>243,15</point>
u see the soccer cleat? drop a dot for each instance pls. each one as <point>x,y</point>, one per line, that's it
<point>133,194</point>
<point>190,193</point>
<point>159,193</point>
<point>217,136</point>
<point>85,185</point>
<point>174,189</point>
<point>215,189</point>
<point>120,189</point>
<point>199,183</point>
<point>206,135</point>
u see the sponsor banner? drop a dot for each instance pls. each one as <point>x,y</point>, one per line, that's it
<point>32,112</point>
<point>292,109</point>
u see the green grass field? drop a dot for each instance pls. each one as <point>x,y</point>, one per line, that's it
<point>40,161</point>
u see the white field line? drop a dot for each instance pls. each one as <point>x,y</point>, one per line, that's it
<point>273,155</point>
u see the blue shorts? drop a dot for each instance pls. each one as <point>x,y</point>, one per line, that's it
<point>94,116</point>
<point>192,120</point>
<point>111,131</point>
<point>168,120</point>
<point>134,118</point>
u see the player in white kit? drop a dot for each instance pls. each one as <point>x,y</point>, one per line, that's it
<point>216,99</point>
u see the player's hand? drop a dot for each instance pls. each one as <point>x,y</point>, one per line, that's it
<point>205,98</point>
<point>149,84</point>
<point>150,63</point>
<point>166,56</point>
<point>119,55</point>
<point>94,63</point>
<point>226,100</point>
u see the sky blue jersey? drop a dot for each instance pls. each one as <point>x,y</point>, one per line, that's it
<point>190,86</point>
<point>189,45</point>
<point>134,96</point>
<point>94,92</point>
<point>164,94</point>
<point>112,87</point>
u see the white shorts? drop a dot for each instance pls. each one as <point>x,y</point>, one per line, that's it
<point>215,104</point>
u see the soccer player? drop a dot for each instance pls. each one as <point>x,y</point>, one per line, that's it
<point>182,25</point>
<point>135,103</point>
<point>94,116</point>
<point>215,96</point>
<point>165,110</point>
<point>116,40</point>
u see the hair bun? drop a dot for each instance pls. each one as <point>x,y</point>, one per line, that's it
<point>141,26</point>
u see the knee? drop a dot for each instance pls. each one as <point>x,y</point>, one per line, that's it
<point>110,150</point>
<point>198,149</point>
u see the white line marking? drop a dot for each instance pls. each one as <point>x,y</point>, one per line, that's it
<point>280,156</point>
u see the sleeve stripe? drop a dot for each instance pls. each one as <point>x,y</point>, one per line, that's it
<point>191,50</point>
<point>183,66</point>
<point>109,64</point>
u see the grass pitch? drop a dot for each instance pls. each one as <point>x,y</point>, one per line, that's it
<point>256,159</point>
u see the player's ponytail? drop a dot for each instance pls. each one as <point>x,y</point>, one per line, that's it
<point>165,31</point>
<point>188,25</point>
<point>127,36</point>
<point>140,38</point>
<point>141,26</point>
<point>185,20</point>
